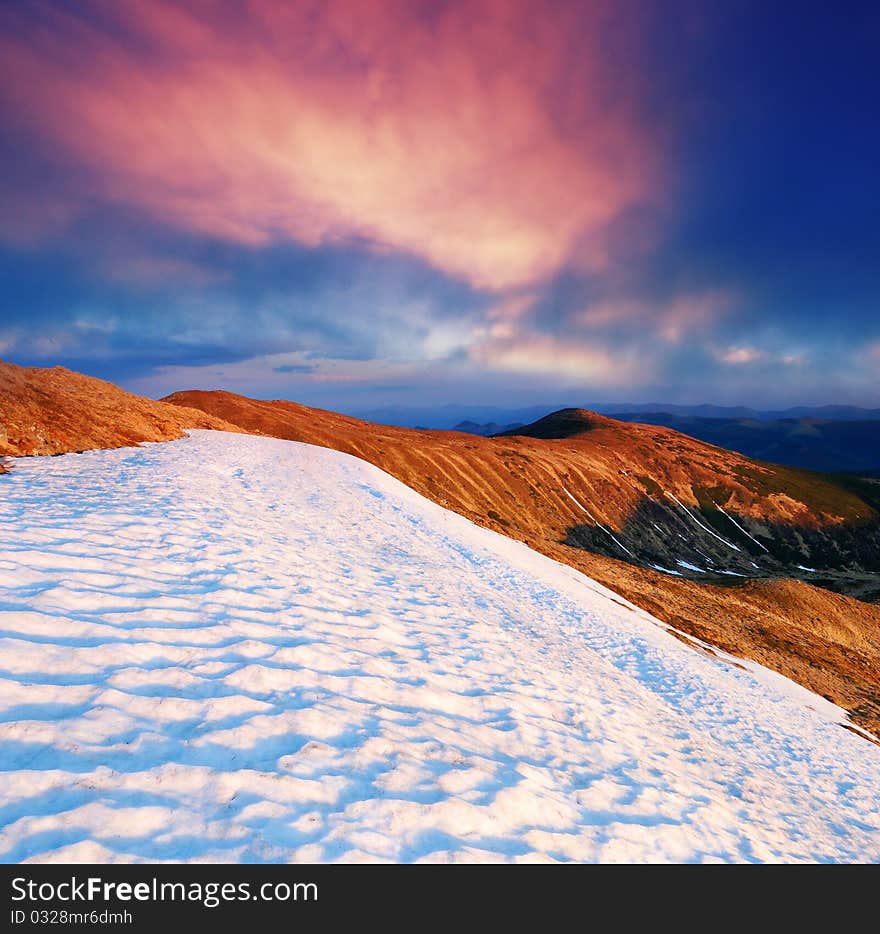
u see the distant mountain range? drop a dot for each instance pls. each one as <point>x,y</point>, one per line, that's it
<point>486,430</point>
<point>449,417</point>
<point>836,413</point>
<point>836,443</point>
<point>454,416</point>
<point>844,446</point>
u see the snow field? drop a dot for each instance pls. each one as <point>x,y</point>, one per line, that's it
<point>231,648</point>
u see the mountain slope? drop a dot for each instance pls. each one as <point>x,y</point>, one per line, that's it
<point>536,491</point>
<point>282,653</point>
<point>739,517</point>
<point>638,493</point>
<point>816,444</point>
<point>57,411</point>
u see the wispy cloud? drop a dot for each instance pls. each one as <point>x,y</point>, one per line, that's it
<point>737,356</point>
<point>578,362</point>
<point>741,355</point>
<point>478,136</point>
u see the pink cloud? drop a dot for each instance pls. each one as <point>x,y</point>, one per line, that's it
<point>737,356</point>
<point>688,313</point>
<point>671,320</point>
<point>505,347</point>
<point>495,140</point>
<point>513,340</point>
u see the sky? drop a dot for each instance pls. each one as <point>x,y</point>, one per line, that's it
<point>410,203</point>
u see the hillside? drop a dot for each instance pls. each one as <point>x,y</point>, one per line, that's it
<point>743,517</point>
<point>566,423</point>
<point>57,411</point>
<point>282,654</point>
<point>638,493</point>
<point>840,445</point>
<point>611,499</point>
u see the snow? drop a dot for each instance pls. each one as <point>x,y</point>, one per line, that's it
<point>700,524</point>
<point>590,516</point>
<point>802,568</point>
<point>689,566</point>
<point>239,649</point>
<point>747,534</point>
<point>658,567</point>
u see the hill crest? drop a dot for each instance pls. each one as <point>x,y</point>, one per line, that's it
<point>562,424</point>
<point>47,411</point>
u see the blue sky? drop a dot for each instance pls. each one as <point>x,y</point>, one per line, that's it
<point>386,203</point>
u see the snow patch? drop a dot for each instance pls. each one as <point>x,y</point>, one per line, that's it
<point>607,531</point>
<point>700,524</point>
<point>690,567</point>
<point>747,534</point>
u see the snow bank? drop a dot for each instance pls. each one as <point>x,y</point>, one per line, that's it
<point>235,648</point>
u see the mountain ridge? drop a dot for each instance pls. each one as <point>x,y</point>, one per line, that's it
<point>536,491</point>
<point>47,411</point>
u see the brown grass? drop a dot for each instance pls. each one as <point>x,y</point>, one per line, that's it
<point>56,411</point>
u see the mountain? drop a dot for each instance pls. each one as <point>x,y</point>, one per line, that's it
<point>713,543</point>
<point>845,446</point>
<point>741,518</point>
<point>834,446</point>
<point>566,423</point>
<point>449,417</point>
<point>852,413</point>
<point>824,412</point>
<point>704,410</point>
<point>240,649</point>
<point>57,411</point>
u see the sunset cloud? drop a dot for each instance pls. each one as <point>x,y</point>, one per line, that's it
<point>737,356</point>
<point>478,136</point>
<point>747,356</point>
<point>507,348</point>
<point>445,200</point>
<point>671,320</point>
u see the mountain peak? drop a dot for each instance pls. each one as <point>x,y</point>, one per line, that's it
<point>565,423</point>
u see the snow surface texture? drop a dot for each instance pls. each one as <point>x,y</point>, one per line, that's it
<point>234,648</point>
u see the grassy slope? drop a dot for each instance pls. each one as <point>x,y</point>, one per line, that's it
<point>57,411</point>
